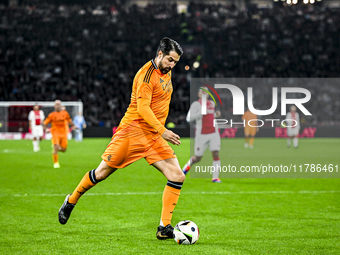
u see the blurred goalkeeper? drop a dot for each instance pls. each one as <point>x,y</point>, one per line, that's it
<point>141,134</point>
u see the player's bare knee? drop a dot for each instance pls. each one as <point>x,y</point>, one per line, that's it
<point>103,171</point>
<point>181,177</point>
<point>178,176</point>
<point>101,176</point>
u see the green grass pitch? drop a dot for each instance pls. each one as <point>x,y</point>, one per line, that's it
<point>121,214</point>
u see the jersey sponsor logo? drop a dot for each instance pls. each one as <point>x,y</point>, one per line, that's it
<point>109,158</point>
<point>37,118</point>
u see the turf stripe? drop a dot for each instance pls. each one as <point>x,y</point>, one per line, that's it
<point>183,193</point>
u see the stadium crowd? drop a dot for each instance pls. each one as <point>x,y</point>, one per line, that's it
<point>91,53</point>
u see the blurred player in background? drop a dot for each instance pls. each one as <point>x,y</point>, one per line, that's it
<point>59,130</point>
<point>206,134</point>
<point>35,119</point>
<point>250,130</point>
<point>80,123</point>
<point>293,127</point>
<point>141,134</point>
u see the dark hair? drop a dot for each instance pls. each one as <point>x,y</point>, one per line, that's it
<point>166,45</point>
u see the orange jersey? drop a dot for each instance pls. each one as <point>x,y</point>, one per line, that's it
<point>58,120</point>
<point>248,115</point>
<point>149,84</point>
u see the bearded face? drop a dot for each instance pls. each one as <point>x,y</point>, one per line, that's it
<point>167,62</point>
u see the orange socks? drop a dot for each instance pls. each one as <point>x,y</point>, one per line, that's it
<point>55,158</point>
<point>170,197</point>
<point>89,180</point>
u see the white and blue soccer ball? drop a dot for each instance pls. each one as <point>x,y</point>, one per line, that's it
<point>186,232</point>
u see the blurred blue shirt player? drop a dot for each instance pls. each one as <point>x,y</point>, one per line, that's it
<point>80,123</point>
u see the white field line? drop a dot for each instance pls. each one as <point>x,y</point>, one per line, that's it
<point>183,193</point>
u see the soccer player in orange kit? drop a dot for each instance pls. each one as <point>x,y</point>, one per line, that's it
<point>141,134</point>
<point>59,120</point>
<point>250,131</point>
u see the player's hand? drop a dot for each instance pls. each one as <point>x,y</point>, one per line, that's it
<point>171,137</point>
<point>217,114</point>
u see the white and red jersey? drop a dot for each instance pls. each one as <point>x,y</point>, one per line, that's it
<point>293,116</point>
<point>36,118</point>
<point>204,123</point>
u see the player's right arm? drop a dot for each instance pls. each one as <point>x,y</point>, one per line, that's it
<point>144,95</point>
<point>83,123</point>
<point>46,122</point>
<point>30,120</point>
<point>288,119</point>
<point>144,110</point>
<point>244,117</point>
<point>194,112</point>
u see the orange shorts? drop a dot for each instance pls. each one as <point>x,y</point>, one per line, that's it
<point>249,131</point>
<point>130,144</point>
<point>60,139</point>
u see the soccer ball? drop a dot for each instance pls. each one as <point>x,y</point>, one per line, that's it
<point>186,232</point>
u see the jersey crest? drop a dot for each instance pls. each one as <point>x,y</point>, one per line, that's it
<point>167,87</point>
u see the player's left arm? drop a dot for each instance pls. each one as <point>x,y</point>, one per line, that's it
<point>70,122</point>
<point>42,115</point>
<point>216,113</point>
<point>84,123</point>
<point>73,127</point>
